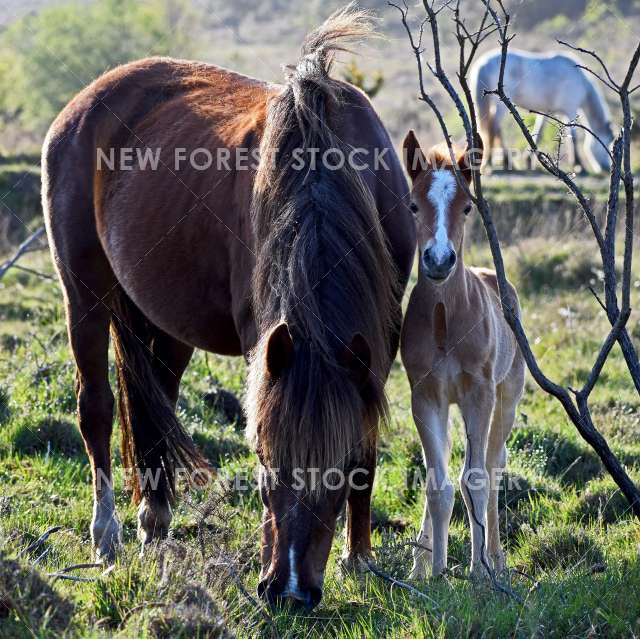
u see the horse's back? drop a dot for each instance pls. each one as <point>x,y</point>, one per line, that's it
<point>542,81</point>
<point>148,225</point>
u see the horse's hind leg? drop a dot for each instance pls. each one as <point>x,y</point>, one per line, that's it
<point>171,358</point>
<point>508,395</point>
<point>88,323</point>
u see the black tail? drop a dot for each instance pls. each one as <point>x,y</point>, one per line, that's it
<point>154,442</point>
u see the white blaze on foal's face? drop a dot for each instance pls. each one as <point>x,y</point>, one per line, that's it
<point>441,192</point>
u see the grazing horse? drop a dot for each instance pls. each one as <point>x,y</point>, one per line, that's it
<point>549,83</point>
<point>457,349</point>
<point>301,271</point>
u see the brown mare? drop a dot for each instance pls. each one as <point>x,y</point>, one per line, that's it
<point>457,349</point>
<point>299,271</point>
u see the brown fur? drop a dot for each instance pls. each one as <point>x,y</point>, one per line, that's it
<point>457,349</point>
<point>207,261</point>
<point>305,222</point>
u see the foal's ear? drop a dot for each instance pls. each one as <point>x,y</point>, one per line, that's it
<point>279,350</point>
<point>356,358</point>
<point>471,158</point>
<point>414,159</point>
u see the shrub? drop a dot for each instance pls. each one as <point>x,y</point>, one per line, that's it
<point>49,56</point>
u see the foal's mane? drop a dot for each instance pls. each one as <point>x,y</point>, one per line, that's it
<point>323,267</point>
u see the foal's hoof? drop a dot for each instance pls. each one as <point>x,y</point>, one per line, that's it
<point>479,573</point>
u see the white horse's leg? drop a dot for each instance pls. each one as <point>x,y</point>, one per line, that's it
<point>476,408</point>
<point>508,394</point>
<point>432,423</point>
<point>538,127</point>
<point>498,117</point>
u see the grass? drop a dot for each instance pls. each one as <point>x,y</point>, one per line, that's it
<point>567,530</point>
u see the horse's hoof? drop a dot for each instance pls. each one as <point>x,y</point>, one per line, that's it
<point>355,564</point>
<point>153,522</point>
<point>107,542</point>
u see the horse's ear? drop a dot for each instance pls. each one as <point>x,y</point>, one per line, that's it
<point>356,358</point>
<point>414,159</point>
<point>279,350</point>
<point>471,158</point>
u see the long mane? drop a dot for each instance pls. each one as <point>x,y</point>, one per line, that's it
<point>323,267</point>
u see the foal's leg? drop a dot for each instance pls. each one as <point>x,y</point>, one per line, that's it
<point>431,420</point>
<point>476,408</point>
<point>171,358</point>
<point>508,394</point>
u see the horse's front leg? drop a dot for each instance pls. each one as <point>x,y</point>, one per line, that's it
<point>431,419</point>
<point>358,519</point>
<point>477,408</point>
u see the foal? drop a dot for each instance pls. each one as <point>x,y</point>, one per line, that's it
<point>457,349</point>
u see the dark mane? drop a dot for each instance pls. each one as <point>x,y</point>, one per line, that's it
<point>323,267</point>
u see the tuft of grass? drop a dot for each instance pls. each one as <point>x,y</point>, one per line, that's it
<point>601,501</point>
<point>49,435</point>
<point>28,602</point>
<point>559,547</point>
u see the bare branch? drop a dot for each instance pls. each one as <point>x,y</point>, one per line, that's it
<point>574,125</point>
<point>25,247</point>
<point>611,82</point>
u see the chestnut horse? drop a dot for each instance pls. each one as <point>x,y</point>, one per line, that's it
<point>299,271</point>
<point>457,349</point>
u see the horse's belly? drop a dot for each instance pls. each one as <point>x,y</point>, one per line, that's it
<point>178,271</point>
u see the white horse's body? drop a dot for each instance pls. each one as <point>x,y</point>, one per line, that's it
<point>550,83</point>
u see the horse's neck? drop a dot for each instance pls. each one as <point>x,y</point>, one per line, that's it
<point>452,296</point>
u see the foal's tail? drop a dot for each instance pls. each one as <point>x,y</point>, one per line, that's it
<point>155,445</point>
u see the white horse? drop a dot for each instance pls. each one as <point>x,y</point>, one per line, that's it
<point>550,83</point>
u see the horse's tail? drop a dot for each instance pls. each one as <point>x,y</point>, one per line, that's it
<point>155,445</point>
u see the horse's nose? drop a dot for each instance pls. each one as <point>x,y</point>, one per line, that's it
<point>303,598</point>
<point>438,267</point>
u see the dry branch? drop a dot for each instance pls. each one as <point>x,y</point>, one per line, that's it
<point>25,247</point>
<point>575,403</point>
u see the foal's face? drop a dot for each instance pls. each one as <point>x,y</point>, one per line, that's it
<point>440,205</point>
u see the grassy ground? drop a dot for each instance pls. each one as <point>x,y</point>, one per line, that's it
<point>564,524</point>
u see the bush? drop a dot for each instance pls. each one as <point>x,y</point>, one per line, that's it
<point>48,435</point>
<point>47,57</point>
<point>562,458</point>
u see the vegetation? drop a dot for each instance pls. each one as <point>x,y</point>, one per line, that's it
<point>565,525</point>
<point>47,57</point>
<point>573,547</point>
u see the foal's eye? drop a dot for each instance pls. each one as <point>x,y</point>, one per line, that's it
<point>467,210</point>
<point>414,207</point>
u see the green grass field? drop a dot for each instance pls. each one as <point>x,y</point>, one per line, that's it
<point>573,548</point>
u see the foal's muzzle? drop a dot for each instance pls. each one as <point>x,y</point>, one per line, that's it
<point>438,267</point>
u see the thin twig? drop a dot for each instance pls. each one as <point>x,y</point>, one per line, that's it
<point>400,584</point>
<point>38,542</point>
